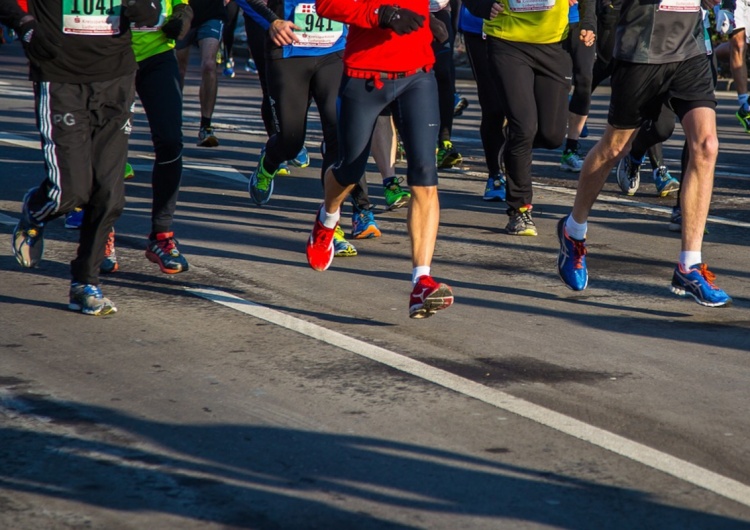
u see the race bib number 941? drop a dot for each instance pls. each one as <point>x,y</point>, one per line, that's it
<point>317,32</point>
<point>91,17</point>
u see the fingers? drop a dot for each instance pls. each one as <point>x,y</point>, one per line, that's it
<point>588,37</point>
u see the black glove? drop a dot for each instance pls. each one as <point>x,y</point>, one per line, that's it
<point>401,21</point>
<point>37,44</point>
<point>439,31</point>
<point>142,13</point>
<point>179,22</point>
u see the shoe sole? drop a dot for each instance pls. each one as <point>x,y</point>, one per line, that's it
<point>451,162</point>
<point>104,270</point>
<point>208,142</point>
<point>442,298</point>
<point>679,291</point>
<point>345,254</point>
<point>404,201</point>
<point>153,258</point>
<point>669,188</point>
<point>570,169</point>
<point>367,234</point>
<point>528,232</point>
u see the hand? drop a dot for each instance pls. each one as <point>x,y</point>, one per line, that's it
<point>142,13</point>
<point>401,21</point>
<point>439,31</point>
<point>588,37</point>
<point>282,32</point>
<point>38,45</point>
<point>178,24</point>
<point>496,9</point>
<point>724,22</point>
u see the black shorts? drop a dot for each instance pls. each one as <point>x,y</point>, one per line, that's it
<point>640,90</point>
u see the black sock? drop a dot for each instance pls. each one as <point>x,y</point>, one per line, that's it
<point>571,145</point>
<point>205,122</point>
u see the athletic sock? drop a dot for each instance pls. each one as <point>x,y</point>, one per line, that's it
<point>205,122</point>
<point>329,220</point>
<point>576,230</point>
<point>690,258</point>
<point>422,270</point>
<point>571,145</point>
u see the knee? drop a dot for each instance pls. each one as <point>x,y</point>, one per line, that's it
<point>706,149</point>
<point>167,150</point>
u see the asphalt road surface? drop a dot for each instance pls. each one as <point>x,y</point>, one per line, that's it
<point>254,393</point>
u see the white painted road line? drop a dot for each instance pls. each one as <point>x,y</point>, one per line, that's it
<point>683,470</point>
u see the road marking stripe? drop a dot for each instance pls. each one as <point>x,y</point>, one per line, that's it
<point>643,454</point>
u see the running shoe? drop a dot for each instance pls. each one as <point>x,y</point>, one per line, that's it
<point>664,182</point>
<point>260,185</point>
<point>428,297</point>
<point>229,68</point>
<point>302,159</point>
<point>88,299</point>
<point>571,261</point>
<point>28,237</point>
<point>744,117</point>
<point>206,137</point>
<point>74,219</point>
<point>628,175</point>
<point>460,103</point>
<point>341,247</point>
<point>698,282</point>
<point>251,67</point>
<point>283,170</point>
<point>521,223</point>
<point>109,264</point>
<point>675,220</point>
<point>129,171</point>
<point>495,188</point>
<point>320,245</point>
<point>364,225</point>
<point>447,156</point>
<point>395,196</point>
<point>162,250</point>
<point>571,161</point>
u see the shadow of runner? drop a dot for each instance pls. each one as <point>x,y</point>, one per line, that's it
<point>266,477</point>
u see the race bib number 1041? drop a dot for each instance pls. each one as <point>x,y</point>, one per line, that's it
<point>91,17</point>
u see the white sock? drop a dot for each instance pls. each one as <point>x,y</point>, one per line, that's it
<point>576,230</point>
<point>690,258</point>
<point>422,270</point>
<point>329,220</point>
<point>743,99</point>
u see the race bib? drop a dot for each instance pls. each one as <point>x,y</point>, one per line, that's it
<point>91,17</point>
<point>317,32</point>
<point>684,6</point>
<point>531,5</point>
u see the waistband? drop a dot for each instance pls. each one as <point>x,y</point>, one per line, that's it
<point>378,77</point>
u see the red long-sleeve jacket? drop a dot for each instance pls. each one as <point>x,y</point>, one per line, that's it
<point>373,49</point>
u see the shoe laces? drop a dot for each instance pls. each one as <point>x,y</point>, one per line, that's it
<point>579,251</point>
<point>338,234</point>
<point>166,242</point>
<point>109,249</point>
<point>322,236</point>
<point>709,276</point>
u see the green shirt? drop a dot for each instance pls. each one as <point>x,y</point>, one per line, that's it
<point>151,41</point>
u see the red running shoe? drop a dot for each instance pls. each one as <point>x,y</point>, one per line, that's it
<point>429,297</point>
<point>320,245</point>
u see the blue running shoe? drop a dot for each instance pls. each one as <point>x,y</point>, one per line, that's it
<point>74,219</point>
<point>28,237</point>
<point>261,183</point>
<point>364,225</point>
<point>698,282</point>
<point>665,183</point>
<point>229,68</point>
<point>88,299</point>
<point>283,170</point>
<point>571,262</point>
<point>495,189</point>
<point>341,247</point>
<point>302,159</point>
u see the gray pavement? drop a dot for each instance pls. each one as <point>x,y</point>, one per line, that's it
<point>253,392</point>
